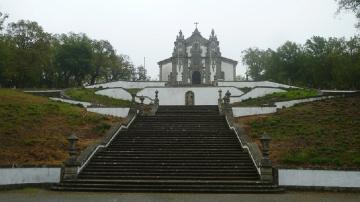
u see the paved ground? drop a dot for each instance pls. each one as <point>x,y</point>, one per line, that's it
<point>40,195</point>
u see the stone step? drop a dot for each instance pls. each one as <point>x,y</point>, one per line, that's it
<point>169,177</point>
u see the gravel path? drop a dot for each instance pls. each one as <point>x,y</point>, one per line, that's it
<point>40,195</point>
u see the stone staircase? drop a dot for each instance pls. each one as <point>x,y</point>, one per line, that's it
<point>180,149</point>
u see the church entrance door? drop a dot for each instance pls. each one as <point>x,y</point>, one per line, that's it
<point>196,77</point>
<point>189,98</point>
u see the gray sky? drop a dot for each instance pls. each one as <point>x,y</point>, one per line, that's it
<point>148,28</point>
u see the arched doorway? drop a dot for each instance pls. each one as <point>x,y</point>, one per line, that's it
<point>196,77</point>
<point>189,98</point>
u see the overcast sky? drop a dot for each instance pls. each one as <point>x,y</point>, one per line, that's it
<point>148,28</point>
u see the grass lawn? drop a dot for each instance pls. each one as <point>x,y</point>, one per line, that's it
<point>33,129</point>
<point>291,94</point>
<point>319,134</point>
<point>88,95</point>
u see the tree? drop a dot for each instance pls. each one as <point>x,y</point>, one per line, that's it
<point>103,54</point>
<point>121,68</point>
<point>3,17</point>
<point>141,73</point>
<point>352,5</point>
<point>73,59</point>
<point>253,58</point>
<point>31,47</point>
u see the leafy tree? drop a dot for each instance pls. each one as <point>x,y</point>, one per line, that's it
<point>253,58</point>
<point>30,46</point>
<point>73,59</point>
<point>141,73</point>
<point>352,5</point>
<point>103,54</point>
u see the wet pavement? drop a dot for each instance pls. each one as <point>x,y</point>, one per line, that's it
<point>41,195</point>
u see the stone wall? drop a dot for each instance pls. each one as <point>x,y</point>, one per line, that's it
<point>11,176</point>
<point>253,84</point>
<point>117,93</point>
<point>112,111</point>
<point>176,95</point>
<point>319,178</point>
<point>255,93</point>
<point>128,84</point>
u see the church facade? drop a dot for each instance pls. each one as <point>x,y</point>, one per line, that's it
<point>196,60</point>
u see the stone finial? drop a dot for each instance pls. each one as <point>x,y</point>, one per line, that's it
<point>156,101</point>
<point>141,107</point>
<point>227,98</point>
<point>142,98</point>
<point>228,94</point>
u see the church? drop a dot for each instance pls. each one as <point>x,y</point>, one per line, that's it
<point>196,60</point>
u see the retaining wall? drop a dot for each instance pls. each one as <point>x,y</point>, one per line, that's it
<point>11,176</point>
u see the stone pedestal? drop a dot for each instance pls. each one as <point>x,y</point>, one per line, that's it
<point>265,163</point>
<point>70,167</point>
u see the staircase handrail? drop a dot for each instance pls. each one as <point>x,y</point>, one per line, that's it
<point>91,150</point>
<point>253,149</point>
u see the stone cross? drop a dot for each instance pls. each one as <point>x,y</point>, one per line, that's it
<point>196,24</point>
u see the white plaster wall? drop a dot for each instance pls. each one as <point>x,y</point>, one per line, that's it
<point>10,176</point>
<point>253,84</point>
<point>166,69</point>
<point>326,178</point>
<point>112,111</point>
<point>294,102</point>
<point>117,93</point>
<point>176,96</point>
<point>84,104</point>
<point>250,111</point>
<point>128,84</point>
<point>256,92</point>
<point>228,70</point>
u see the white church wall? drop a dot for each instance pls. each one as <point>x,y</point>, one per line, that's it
<point>112,111</point>
<point>165,72</point>
<point>176,95</point>
<point>117,93</point>
<point>128,84</point>
<point>253,84</point>
<point>256,92</point>
<point>228,70</point>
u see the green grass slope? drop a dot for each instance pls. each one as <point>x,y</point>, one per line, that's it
<point>88,95</point>
<point>33,129</point>
<point>291,94</point>
<point>318,134</point>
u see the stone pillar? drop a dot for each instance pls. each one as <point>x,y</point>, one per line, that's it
<point>227,106</point>
<point>265,163</point>
<point>141,107</point>
<point>220,97</point>
<point>70,167</point>
<point>156,101</point>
